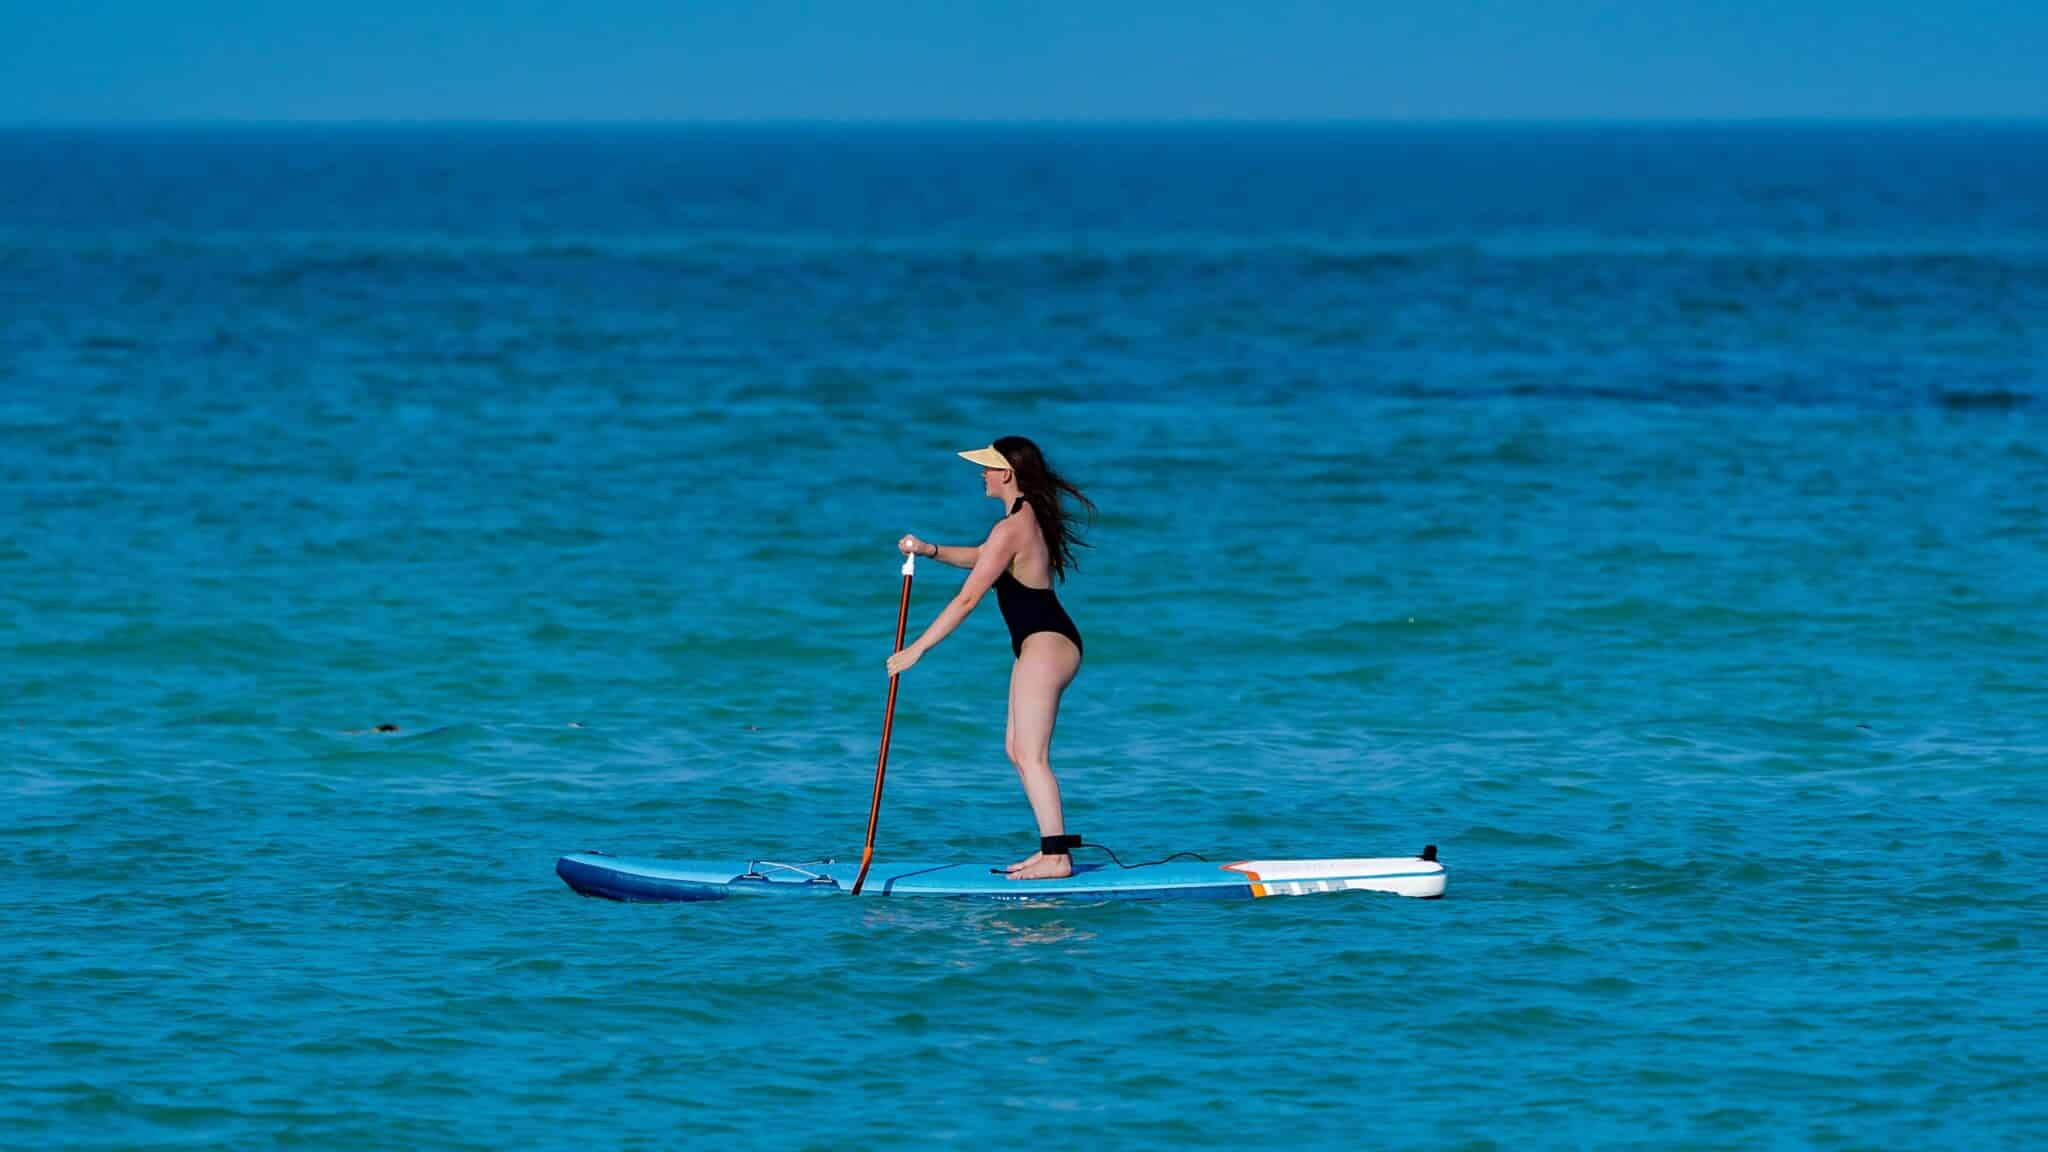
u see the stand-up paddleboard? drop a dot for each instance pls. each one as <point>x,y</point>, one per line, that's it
<point>639,880</point>
<point>667,881</point>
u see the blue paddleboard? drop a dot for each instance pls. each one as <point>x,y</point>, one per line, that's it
<point>662,881</point>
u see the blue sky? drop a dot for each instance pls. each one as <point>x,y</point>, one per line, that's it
<point>635,60</point>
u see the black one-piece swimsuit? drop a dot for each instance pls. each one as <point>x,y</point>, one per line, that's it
<point>1026,609</point>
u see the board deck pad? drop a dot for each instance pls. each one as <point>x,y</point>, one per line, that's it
<point>643,880</point>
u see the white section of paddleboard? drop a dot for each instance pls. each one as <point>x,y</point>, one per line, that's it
<point>1404,876</point>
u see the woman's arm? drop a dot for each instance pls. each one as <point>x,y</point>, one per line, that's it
<point>958,555</point>
<point>990,558</point>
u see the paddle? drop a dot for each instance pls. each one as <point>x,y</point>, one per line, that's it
<point>867,854</point>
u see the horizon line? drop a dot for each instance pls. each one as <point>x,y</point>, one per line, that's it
<point>1025,122</point>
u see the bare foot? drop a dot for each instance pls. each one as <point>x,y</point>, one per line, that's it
<point>1026,862</point>
<point>1046,868</point>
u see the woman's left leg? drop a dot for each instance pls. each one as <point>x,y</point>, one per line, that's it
<point>1042,672</point>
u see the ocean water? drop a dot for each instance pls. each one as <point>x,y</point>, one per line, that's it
<point>1651,517</point>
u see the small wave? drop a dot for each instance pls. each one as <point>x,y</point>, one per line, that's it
<point>1989,400</point>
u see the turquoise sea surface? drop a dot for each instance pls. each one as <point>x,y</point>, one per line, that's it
<point>1651,517</point>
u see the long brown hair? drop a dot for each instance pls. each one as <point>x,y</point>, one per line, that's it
<point>1042,487</point>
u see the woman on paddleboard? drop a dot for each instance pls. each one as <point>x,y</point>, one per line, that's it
<point>1030,547</point>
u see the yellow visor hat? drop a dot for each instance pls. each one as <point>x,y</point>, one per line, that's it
<point>986,457</point>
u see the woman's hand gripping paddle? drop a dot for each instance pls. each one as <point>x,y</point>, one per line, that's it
<point>867,853</point>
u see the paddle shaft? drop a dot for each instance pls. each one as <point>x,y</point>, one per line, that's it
<point>867,852</point>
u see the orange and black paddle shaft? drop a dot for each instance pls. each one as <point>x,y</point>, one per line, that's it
<point>867,853</point>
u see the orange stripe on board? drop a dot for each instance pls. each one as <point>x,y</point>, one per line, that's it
<point>1258,888</point>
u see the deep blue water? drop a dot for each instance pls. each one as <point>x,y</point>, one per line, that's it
<point>1651,517</point>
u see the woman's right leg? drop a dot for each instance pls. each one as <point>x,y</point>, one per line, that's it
<point>1037,680</point>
